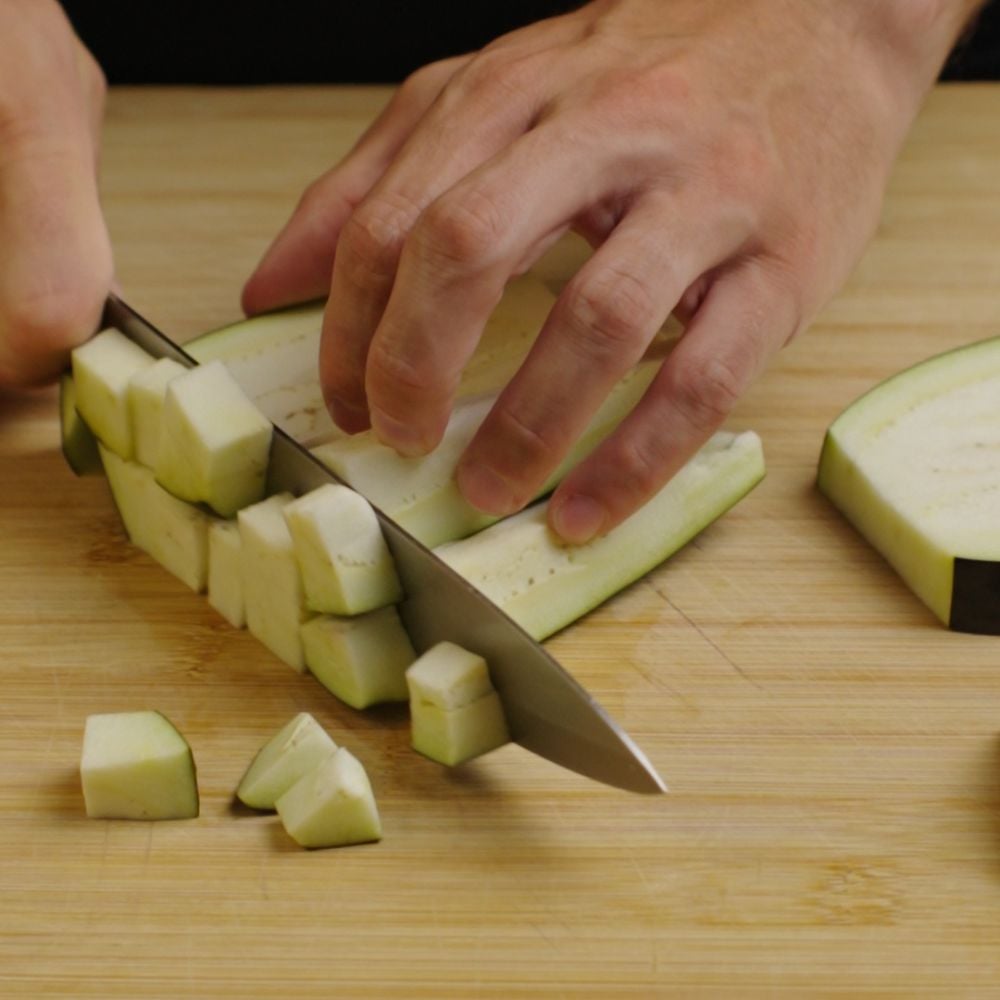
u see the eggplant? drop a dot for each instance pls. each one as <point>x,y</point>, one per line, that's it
<point>914,465</point>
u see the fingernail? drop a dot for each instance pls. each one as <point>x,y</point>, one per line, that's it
<point>485,490</point>
<point>405,439</point>
<point>578,519</point>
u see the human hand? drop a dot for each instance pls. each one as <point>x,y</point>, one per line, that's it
<point>727,159</point>
<point>55,257</point>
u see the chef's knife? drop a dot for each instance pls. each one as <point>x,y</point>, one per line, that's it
<point>548,712</point>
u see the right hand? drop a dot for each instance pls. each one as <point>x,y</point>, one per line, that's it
<point>55,254</point>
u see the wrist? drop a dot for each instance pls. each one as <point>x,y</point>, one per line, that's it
<point>913,38</point>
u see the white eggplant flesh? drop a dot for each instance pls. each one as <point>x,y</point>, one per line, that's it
<point>214,442</point>
<point>448,676</point>
<point>362,660</point>
<point>421,494</point>
<point>545,585</point>
<point>293,751</point>
<point>172,531</point>
<point>454,736</point>
<point>146,391</point>
<point>273,596</point>
<point>332,805</point>
<point>137,765</point>
<point>346,566</point>
<point>913,466</point>
<point>102,370</point>
<point>225,571</point>
<point>455,713</point>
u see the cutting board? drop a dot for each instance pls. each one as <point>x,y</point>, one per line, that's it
<point>833,824</point>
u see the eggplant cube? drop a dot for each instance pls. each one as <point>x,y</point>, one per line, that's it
<point>136,765</point>
<point>332,805</point>
<point>455,712</point>
<point>293,751</point>
<point>102,370</point>
<point>214,443</point>
<point>272,587</point>
<point>362,660</point>
<point>225,577</point>
<point>346,566</point>
<point>146,391</point>
<point>79,446</point>
<point>173,532</point>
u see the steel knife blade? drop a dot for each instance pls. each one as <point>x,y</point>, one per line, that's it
<point>548,711</point>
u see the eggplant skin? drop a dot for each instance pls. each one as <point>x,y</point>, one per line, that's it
<point>975,597</point>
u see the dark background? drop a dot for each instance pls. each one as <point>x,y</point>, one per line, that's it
<point>291,41</point>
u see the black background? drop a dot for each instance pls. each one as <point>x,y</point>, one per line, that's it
<point>291,41</point>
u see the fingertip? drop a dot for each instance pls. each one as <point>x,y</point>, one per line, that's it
<point>406,439</point>
<point>251,301</point>
<point>577,518</point>
<point>350,419</point>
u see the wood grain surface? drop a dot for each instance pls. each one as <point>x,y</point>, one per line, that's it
<point>833,825</point>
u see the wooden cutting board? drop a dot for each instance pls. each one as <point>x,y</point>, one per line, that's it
<point>833,826</point>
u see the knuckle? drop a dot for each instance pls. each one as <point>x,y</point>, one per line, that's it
<point>530,444</point>
<point>611,314</point>
<point>706,390</point>
<point>395,373</point>
<point>374,234</point>
<point>490,70</point>
<point>639,470</point>
<point>465,229</point>
<point>424,83</point>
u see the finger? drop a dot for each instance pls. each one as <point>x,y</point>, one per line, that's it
<point>297,265</point>
<point>56,268</point>
<point>745,317</point>
<point>480,112</point>
<point>453,269</point>
<point>602,323</point>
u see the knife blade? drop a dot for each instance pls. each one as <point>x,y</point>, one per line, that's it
<point>548,711</point>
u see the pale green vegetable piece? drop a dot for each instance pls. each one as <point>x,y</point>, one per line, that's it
<point>102,370</point>
<point>273,358</point>
<point>455,714</point>
<point>292,752</point>
<point>214,443</point>
<point>362,660</point>
<point>448,676</point>
<point>173,532</point>
<point>346,566</point>
<point>421,494</point>
<point>146,391</point>
<point>913,466</point>
<point>225,574</point>
<point>455,736</point>
<point>273,597</point>
<point>332,805</point>
<point>545,585</point>
<point>136,765</point>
